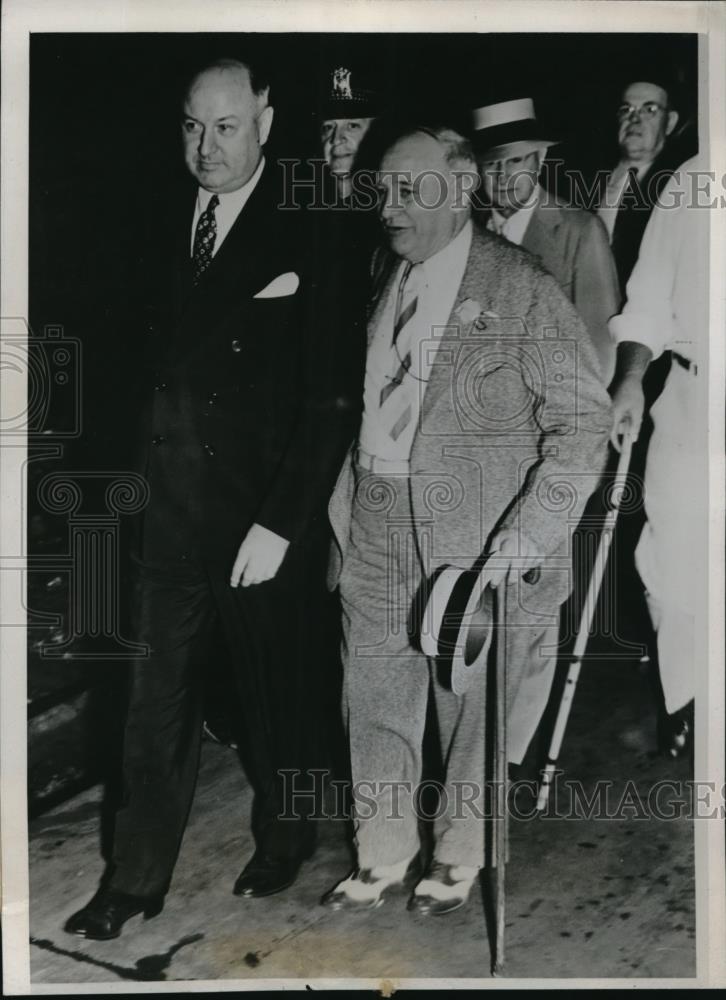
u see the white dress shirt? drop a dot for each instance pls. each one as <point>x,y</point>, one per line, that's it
<point>667,292</point>
<point>438,282</point>
<point>229,207</point>
<point>617,181</point>
<point>667,308</point>
<point>514,228</point>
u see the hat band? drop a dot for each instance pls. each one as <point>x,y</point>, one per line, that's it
<point>502,135</point>
<point>355,106</point>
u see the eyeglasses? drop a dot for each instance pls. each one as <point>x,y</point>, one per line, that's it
<point>648,110</point>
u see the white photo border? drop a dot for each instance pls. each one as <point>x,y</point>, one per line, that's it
<point>21,18</point>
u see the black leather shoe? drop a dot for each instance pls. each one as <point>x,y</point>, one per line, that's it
<point>103,918</point>
<point>264,876</point>
<point>675,732</point>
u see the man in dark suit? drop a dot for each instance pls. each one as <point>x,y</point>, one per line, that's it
<point>343,230</point>
<point>646,119</point>
<point>224,449</point>
<point>649,149</point>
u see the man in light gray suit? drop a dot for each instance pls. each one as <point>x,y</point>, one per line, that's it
<point>510,146</point>
<point>570,243</point>
<point>485,428</point>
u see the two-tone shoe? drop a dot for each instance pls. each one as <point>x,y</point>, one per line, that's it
<point>367,888</point>
<point>444,889</point>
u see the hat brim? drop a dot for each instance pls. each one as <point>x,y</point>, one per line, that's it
<point>337,108</point>
<point>521,148</point>
<point>527,131</point>
<point>458,624</point>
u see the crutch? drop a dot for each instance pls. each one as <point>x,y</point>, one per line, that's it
<point>501,818</point>
<point>588,611</point>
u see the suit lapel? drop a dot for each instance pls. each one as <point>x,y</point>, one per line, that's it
<point>475,285</point>
<point>182,270</point>
<point>479,284</point>
<point>237,270</point>
<point>540,237</point>
<point>383,285</point>
<point>243,250</point>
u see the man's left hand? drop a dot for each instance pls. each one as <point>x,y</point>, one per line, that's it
<point>259,557</point>
<point>514,554</point>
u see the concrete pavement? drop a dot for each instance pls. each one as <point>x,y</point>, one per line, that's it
<point>586,897</point>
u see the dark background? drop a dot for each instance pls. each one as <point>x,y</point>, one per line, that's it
<point>104,140</point>
<point>105,151</point>
<point>104,143</point>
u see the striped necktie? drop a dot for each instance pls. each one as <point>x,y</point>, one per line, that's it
<point>204,239</point>
<point>398,410</point>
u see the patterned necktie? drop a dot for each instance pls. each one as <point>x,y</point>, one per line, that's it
<point>397,410</point>
<point>204,239</point>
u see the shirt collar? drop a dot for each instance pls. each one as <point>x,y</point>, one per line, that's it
<point>446,258</point>
<point>641,169</point>
<point>521,213</point>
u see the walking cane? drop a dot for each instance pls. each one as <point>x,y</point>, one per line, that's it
<point>588,612</point>
<point>501,818</point>
<point>465,637</point>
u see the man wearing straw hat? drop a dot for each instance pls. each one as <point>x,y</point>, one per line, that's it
<point>484,429</point>
<point>570,243</point>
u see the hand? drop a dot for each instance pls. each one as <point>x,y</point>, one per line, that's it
<point>514,551</point>
<point>628,407</point>
<point>259,557</point>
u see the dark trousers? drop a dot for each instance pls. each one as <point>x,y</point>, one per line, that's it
<point>176,605</point>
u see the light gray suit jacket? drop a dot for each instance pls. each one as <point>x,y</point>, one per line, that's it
<point>573,246</point>
<point>514,422</point>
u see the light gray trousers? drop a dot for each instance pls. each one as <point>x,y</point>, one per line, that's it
<point>386,684</point>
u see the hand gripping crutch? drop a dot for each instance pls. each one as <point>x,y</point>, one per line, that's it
<point>588,611</point>
<point>501,813</point>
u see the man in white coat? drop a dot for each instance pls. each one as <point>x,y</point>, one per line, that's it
<point>667,309</point>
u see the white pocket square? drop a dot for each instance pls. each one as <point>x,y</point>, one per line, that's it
<point>283,284</point>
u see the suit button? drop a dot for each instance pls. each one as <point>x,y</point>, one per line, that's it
<point>210,450</point>
<point>213,398</point>
<point>158,439</point>
<point>160,386</point>
<point>236,346</point>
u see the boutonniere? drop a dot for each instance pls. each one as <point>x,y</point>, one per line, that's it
<point>470,312</point>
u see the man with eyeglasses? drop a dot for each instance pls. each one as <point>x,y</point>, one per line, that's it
<point>645,119</point>
<point>649,155</point>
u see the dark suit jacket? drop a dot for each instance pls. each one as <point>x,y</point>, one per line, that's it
<point>223,434</point>
<point>339,242</point>
<point>636,204</point>
<point>573,246</point>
